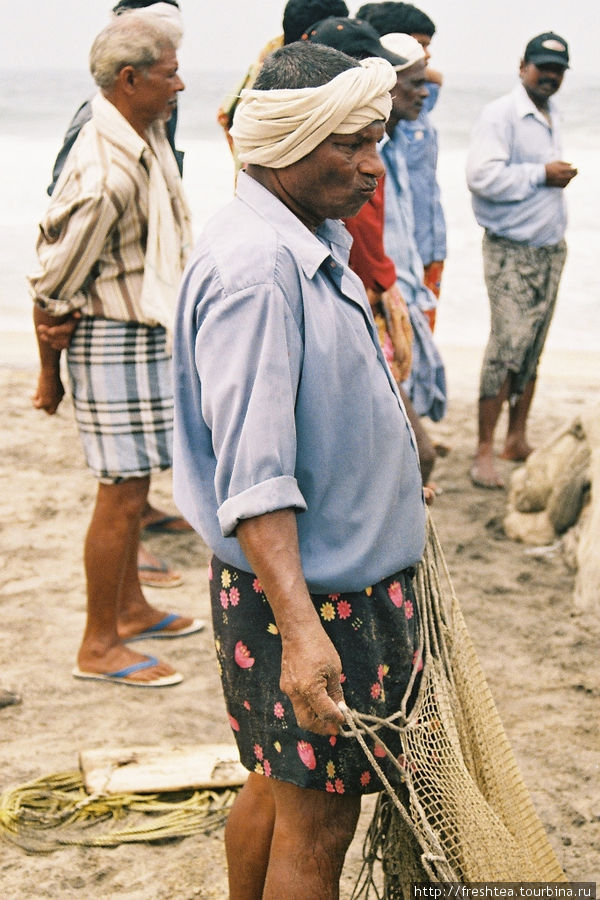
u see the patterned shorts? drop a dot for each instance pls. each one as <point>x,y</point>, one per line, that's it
<point>522,284</point>
<point>375,632</point>
<point>121,382</point>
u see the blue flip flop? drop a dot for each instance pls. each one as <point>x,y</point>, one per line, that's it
<point>160,629</point>
<point>168,525</point>
<point>120,676</point>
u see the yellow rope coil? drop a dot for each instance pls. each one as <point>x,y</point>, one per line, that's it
<point>51,812</point>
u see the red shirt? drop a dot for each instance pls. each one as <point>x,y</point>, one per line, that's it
<point>367,256</point>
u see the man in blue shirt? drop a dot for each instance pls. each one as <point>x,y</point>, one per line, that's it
<point>295,461</point>
<point>418,141</point>
<point>517,177</point>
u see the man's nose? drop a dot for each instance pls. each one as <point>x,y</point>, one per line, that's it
<point>180,85</point>
<point>371,163</point>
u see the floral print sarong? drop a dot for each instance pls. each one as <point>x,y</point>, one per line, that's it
<point>375,632</point>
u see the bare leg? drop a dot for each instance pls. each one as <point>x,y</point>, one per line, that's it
<point>483,472</point>
<point>110,546</point>
<point>516,446</point>
<point>312,833</point>
<point>248,835</point>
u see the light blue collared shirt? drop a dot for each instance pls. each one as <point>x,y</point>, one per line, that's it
<point>399,223</point>
<point>283,399</point>
<point>420,148</point>
<point>426,384</point>
<point>510,146</point>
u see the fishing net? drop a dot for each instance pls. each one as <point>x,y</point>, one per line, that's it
<point>56,811</point>
<point>457,810</point>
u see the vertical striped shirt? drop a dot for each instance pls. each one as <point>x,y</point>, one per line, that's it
<point>92,239</point>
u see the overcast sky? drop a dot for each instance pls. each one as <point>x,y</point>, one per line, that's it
<point>472,35</point>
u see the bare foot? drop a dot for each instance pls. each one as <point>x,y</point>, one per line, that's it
<point>483,473</point>
<point>516,451</point>
<point>155,572</point>
<point>115,659</point>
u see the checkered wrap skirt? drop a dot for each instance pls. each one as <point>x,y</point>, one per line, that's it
<point>122,388</point>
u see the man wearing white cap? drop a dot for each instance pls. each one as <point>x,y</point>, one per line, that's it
<point>427,385</point>
<point>295,461</point>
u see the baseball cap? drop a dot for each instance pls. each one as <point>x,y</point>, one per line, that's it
<point>547,48</point>
<point>403,45</point>
<point>352,36</point>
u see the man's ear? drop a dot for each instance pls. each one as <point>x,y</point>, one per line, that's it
<point>127,79</point>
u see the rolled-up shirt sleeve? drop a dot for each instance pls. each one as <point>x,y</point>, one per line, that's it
<point>490,172</point>
<point>248,355</point>
<point>71,238</point>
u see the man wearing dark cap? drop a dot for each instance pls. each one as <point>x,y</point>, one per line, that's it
<point>516,177</point>
<point>393,279</point>
<point>418,141</point>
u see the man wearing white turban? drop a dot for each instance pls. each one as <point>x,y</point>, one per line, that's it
<point>295,461</point>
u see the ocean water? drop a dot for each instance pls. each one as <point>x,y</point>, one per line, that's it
<point>35,108</point>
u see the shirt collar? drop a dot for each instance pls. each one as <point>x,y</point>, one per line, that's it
<point>526,107</point>
<point>310,249</point>
<point>110,123</point>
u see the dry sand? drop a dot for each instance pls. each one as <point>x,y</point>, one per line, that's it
<point>541,659</point>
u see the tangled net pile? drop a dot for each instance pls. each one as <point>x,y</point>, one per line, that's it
<point>53,812</point>
<point>458,810</point>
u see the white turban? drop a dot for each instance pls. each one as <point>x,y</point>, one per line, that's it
<point>277,128</point>
<point>403,45</point>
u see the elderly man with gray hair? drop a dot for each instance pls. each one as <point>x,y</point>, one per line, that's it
<point>111,249</point>
<point>295,461</point>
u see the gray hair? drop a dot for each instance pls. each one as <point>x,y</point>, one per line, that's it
<point>134,40</point>
<point>302,65</point>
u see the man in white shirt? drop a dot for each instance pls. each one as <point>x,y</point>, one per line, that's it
<point>516,176</point>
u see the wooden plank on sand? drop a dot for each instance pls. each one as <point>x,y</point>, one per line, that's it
<point>149,769</point>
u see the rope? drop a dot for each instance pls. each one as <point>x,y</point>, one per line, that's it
<point>460,812</point>
<point>60,803</point>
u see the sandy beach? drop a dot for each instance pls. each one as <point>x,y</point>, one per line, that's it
<point>540,657</point>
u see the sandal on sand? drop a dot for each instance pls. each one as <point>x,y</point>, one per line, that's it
<point>168,525</point>
<point>160,629</point>
<point>9,698</point>
<point>121,676</point>
<point>159,575</point>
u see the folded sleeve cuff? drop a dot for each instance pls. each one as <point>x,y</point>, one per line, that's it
<point>540,174</point>
<point>268,496</point>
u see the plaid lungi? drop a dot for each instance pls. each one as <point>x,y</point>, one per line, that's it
<point>122,387</point>
<point>522,284</point>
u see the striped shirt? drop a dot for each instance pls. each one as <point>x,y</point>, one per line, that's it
<point>92,239</point>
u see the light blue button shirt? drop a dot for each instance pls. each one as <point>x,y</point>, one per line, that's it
<point>426,384</point>
<point>283,399</point>
<point>399,223</point>
<point>510,146</point>
<point>420,148</point>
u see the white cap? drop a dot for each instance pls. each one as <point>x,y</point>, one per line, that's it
<point>403,45</point>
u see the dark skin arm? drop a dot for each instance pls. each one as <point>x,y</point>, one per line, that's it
<point>310,665</point>
<point>58,335</point>
<point>50,390</point>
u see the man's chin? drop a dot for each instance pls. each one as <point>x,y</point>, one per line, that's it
<point>353,209</point>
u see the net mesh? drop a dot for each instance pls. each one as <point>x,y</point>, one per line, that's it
<point>458,809</point>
